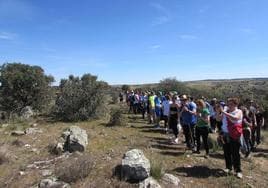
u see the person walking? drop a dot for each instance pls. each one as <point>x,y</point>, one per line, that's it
<point>202,126</point>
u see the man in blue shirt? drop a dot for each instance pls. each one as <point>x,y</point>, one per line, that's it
<point>188,117</point>
<point>158,106</point>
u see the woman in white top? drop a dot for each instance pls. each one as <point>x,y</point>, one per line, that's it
<point>230,134</point>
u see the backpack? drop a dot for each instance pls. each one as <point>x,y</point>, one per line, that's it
<point>235,129</point>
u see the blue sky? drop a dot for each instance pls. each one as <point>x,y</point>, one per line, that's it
<point>137,41</point>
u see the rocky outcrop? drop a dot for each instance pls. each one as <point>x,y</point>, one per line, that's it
<point>135,166</point>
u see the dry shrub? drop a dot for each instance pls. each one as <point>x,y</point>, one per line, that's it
<point>17,143</point>
<point>3,155</point>
<point>74,169</point>
<point>52,148</point>
<point>117,117</point>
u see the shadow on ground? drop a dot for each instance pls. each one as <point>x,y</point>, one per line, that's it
<point>200,172</point>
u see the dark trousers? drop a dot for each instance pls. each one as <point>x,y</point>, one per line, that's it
<point>231,153</point>
<point>219,124</point>
<point>173,124</point>
<point>165,118</point>
<point>256,135</point>
<point>213,123</point>
<point>246,134</point>
<point>202,132</point>
<point>189,133</point>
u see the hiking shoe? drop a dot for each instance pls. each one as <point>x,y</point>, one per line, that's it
<point>196,152</point>
<point>157,126</point>
<point>239,175</point>
<point>227,170</point>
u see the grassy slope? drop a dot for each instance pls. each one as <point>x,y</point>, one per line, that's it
<point>107,146</point>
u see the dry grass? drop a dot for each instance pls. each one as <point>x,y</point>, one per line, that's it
<point>75,169</point>
<point>3,157</point>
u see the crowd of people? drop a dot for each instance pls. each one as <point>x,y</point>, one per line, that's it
<point>238,126</point>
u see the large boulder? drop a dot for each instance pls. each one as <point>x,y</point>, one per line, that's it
<point>76,139</point>
<point>26,112</point>
<point>135,166</point>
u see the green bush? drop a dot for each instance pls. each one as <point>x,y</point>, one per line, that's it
<point>172,84</point>
<point>81,99</point>
<point>157,170</point>
<point>117,117</point>
<point>24,85</point>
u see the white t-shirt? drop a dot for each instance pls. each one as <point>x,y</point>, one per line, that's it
<point>166,107</point>
<point>224,126</point>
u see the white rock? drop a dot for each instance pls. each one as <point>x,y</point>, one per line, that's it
<point>17,133</point>
<point>33,131</point>
<point>149,183</point>
<point>171,179</point>
<point>22,173</point>
<point>135,166</point>
<point>53,183</point>
<point>46,173</point>
<point>77,140</point>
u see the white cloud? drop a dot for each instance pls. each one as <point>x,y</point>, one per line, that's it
<point>155,46</point>
<point>248,31</point>
<point>204,9</point>
<point>7,36</point>
<point>188,37</point>
<point>164,16</point>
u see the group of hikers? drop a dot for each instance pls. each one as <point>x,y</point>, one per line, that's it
<point>238,127</point>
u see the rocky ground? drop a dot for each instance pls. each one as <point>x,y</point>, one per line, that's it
<point>26,157</point>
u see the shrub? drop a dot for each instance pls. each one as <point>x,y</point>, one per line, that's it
<point>172,84</point>
<point>24,85</point>
<point>3,155</point>
<point>81,99</point>
<point>157,170</point>
<point>75,169</point>
<point>117,117</point>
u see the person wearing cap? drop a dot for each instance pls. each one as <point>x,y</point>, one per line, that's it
<point>188,117</point>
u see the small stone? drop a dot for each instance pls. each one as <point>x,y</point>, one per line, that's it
<point>171,179</point>
<point>124,137</point>
<point>34,125</point>
<point>46,173</point>
<point>5,125</point>
<point>149,182</point>
<point>27,145</point>
<point>17,133</point>
<point>188,156</point>
<point>22,173</point>
<point>33,131</point>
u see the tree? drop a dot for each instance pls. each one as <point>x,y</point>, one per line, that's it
<point>125,87</point>
<point>81,99</point>
<point>172,84</point>
<point>24,85</point>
